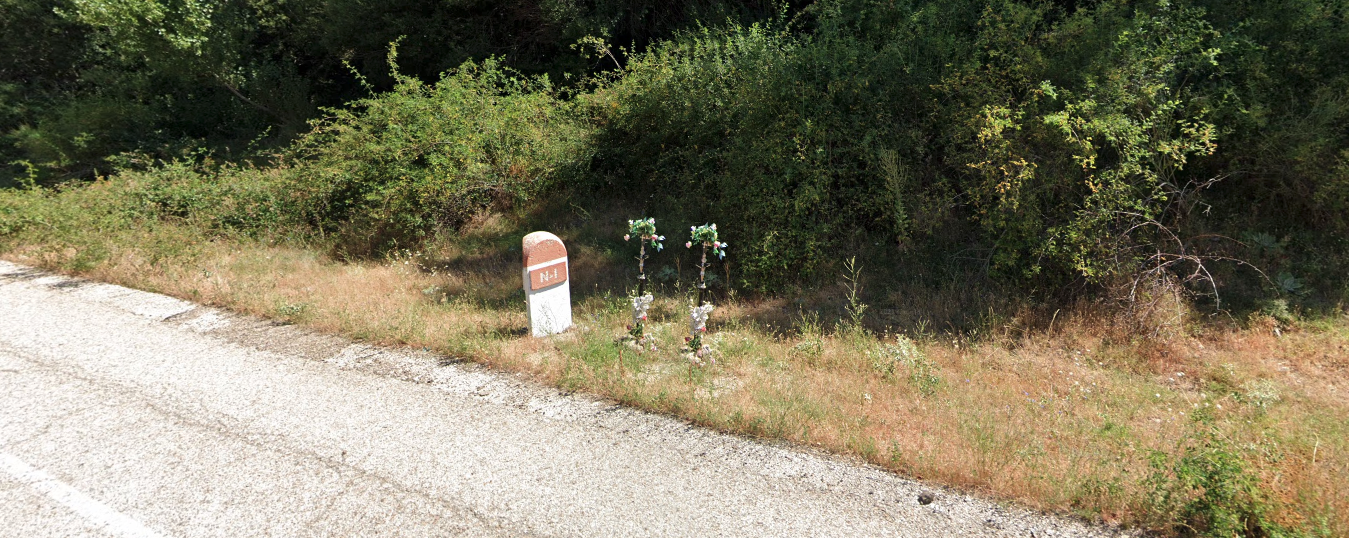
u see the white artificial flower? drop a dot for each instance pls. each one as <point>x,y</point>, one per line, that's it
<point>640,305</point>
<point>698,318</point>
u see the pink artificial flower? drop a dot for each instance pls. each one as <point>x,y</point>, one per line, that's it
<point>626,237</point>
<point>688,244</point>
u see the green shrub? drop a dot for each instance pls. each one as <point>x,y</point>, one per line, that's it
<point>1206,490</point>
<point>984,110</point>
<point>394,168</point>
<point>1128,131</point>
<point>1098,143</point>
<point>785,132</point>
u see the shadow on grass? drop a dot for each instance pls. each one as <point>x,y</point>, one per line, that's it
<point>481,265</point>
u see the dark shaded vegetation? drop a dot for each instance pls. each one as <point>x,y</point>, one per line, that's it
<point>1128,151</point>
<point>82,81</point>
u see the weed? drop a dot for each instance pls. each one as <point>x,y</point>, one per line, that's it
<point>1276,309</point>
<point>855,308</point>
<point>811,348</point>
<point>667,274</point>
<point>808,325</point>
<point>1261,393</point>
<point>812,335</point>
<point>1206,489</point>
<point>904,353</point>
<point>291,311</point>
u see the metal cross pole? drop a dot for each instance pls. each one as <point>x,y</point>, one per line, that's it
<point>641,269</point>
<point>702,276</point>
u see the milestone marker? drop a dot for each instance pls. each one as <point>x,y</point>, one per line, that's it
<point>547,292</point>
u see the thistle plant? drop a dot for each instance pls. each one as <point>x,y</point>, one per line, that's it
<point>706,236</point>
<point>645,232</point>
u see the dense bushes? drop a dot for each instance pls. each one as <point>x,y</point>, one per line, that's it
<point>392,168</point>
<point>956,110</point>
<point>728,123</point>
<point>84,79</point>
<point>1094,143</point>
<point>1108,144</point>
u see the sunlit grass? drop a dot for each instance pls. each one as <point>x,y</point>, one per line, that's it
<point>1063,419</point>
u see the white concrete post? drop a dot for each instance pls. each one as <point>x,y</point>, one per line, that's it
<point>547,291</point>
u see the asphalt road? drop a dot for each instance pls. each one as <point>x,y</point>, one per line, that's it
<point>125,413</point>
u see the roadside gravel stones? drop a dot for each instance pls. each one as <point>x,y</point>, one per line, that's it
<point>925,498</point>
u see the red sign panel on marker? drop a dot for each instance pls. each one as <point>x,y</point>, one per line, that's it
<point>545,251</point>
<point>548,276</point>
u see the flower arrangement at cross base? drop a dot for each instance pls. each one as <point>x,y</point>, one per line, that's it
<point>697,352</point>
<point>645,232</point>
<point>640,304</point>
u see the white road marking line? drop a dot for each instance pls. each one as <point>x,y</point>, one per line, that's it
<point>110,521</point>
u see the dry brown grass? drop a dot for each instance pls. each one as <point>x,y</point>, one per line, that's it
<point>1061,419</point>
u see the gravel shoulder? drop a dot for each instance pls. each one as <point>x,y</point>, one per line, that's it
<point>199,422</point>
